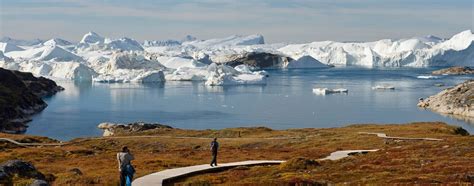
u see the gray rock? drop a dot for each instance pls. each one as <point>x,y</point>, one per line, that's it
<point>111,129</point>
<point>454,71</point>
<point>76,171</point>
<point>19,168</point>
<point>456,101</point>
<point>257,60</point>
<point>39,183</point>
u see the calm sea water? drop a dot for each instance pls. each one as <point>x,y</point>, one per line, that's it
<point>285,102</point>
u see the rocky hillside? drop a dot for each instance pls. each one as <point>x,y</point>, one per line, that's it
<point>20,97</point>
<point>458,100</point>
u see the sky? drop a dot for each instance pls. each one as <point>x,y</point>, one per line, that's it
<point>292,21</point>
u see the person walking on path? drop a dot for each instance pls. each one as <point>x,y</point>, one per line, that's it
<point>214,148</point>
<point>125,167</point>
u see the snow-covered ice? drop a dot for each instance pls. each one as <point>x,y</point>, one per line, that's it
<point>427,77</point>
<point>220,61</point>
<point>8,47</point>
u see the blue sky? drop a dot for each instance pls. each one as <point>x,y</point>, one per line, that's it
<point>277,20</point>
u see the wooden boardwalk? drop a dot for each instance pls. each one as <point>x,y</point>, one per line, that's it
<point>31,144</point>
<point>159,178</point>
<point>384,136</point>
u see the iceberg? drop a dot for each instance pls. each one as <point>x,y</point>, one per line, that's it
<point>92,38</point>
<point>5,58</point>
<point>324,91</point>
<point>413,52</point>
<point>57,41</point>
<point>221,75</point>
<point>19,42</point>
<point>55,70</point>
<point>56,53</point>
<point>7,47</point>
<point>178,62</point>
<point>130,67</point>
<point>233,60</point>
<point>125,76</point>
<point>188,74</point>
<point>383,87</point>
<point>427,77</point>
<point>124,44</point>
<point>304,62</point>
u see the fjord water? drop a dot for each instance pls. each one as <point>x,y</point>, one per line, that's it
<point>285,102</point>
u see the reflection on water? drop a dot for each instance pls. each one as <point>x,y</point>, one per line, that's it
<point>286,101</point>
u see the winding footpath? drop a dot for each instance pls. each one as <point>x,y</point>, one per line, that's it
<point>384,136</point>
<point>31,144</point>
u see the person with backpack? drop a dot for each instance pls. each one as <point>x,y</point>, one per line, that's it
<point>125,166</point>
<point>214,148</point>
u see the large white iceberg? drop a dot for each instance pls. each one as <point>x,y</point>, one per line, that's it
<point>7,47</point>
<point>56,70</point>
<point>130,67</point>
<point>413,52</point>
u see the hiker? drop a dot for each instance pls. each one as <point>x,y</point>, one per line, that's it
<point>214,148</point>
<point>125,167</point>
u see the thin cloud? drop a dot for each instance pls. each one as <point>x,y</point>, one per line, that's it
<point>278,20</point>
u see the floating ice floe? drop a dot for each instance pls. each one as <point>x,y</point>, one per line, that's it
<point>427,77</point>
<point>383,87</point>
<point>324,91</point>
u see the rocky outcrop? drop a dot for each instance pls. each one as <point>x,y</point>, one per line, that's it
<point>20,97</point>
<point>456,101</point>
<point>454,71</point>
<point>257,60</point>
<point>21,169</point>
<point>111,129</point>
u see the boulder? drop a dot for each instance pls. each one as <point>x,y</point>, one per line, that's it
<point>19,168</point>
<point>39,183</point>
<point>111,129</point>
<point>454,71</point>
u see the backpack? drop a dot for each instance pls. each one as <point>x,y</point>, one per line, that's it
<point>130,170</point>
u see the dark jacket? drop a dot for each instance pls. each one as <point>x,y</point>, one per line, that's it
<point>214,146</point>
